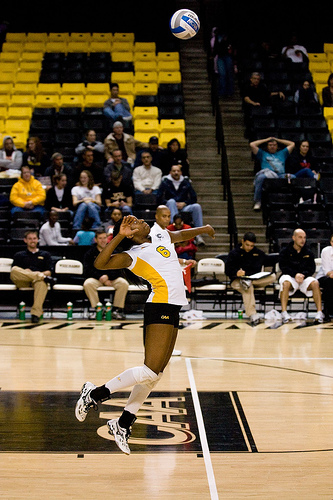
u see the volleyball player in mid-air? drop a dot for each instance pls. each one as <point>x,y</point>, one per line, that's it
<point>154,259</point>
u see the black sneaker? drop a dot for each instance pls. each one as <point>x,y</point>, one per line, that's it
<point>50,281</point>
<point>34,319</point>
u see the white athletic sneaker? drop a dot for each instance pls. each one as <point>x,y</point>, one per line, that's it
<point>176,352</point>
<point>285,317</point>
<point>255,319</point>
<point>257,205</point>
<point>120,435</point>
<point>85,402</point>
<point>319,318</point>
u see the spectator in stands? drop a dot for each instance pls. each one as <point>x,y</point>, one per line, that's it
<point>10,157</point>
<point>115,215</point>
<point>178,195</point>
<point>88,164</point>
<point>59,196</point>
<point>118,194</point>
<point>117,108</point>
<point>294,52</point>
<point>85,236</point>
<point>297,264</point>
<point>58,167</point>
<point>327,93</point>
<point>225,53</point>
<point>306,95</point>
<point>117,164</point>
<point>174,155</point>
<point>27,194</point>
<point>32,267</point>
<point>185,249</point>
<point>96,278</point>
<point>86,200</point>
<point>325,278</point>
<point>50,232</point>
<point>245,260</point>
<point>35,157</point>
<point>146,178</point>
<point>154,149</point>
<point>125,142</point>
<point>272,162</point>
<point>301,162</point>
<point>90,142</point>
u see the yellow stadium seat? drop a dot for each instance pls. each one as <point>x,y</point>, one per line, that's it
<point>145,47</point>
<point>37,37</point>
<point>145,113</point>
<point>23,100</point>
<point>9,67</point>
<point>3,112</point>
<point>102,37</point>
<point>10,56</point>
<point>8,77</point>
<point>19,138</point>
<point>4,100</point>
<point>27,77</point>
<point>123,37</point>
<point>319,77</point>
<point>48,89</point>
<point>126,88</point>
<point>145,88</point>
<point>145,66</point>
<point>172,125</point>
<point>2,126</point>
<point>168,56</point>
<point>78,47</point>
<point>166,137</point>
<point>80,37</point>
<point>319,66</point>
<point>31,66</point>
<point>328,113</point>
<point>149,125</point>
<point>58,37</point>
<point>168,65</point>
<point>144,136</point>
<point>31,56</point>
<point>12,47</point>
<point>100,46</point>
<point>328,48</point>
<point>319,88</point>
<point>95,100</point>
<point>6,88</point>
<point>34,47</point>
<point>73,89</point>
<point>122,76</point>
<point>19,113</point>
<point>118,46</point>
<point>56,46</point>
<point>122,56</point>
<point>98,88</point>
<point>317,56</point>
<point>130,100</point>
<point>17,125</point>
<point>144,56</point>
<point>71,101</point>
<point>16,37</point>
<point>47,101</point>
<point>169,77</point>
<point>145,77</point>
<point>24,88</point>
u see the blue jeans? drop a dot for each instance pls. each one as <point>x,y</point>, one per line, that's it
<point>225,68</point>
<point>118,111</point>
<point>38,208</point>
<point>259,180</point>
<point>305,172</point>
<point>87,210</point>
<point>195,209</point>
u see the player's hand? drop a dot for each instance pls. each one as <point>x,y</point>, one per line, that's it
<point>126,228</point>
<point>210,231</point>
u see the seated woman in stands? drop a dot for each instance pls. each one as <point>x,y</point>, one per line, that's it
<point>59,196</point>
<point>87,201</point>
<point>301,162</point>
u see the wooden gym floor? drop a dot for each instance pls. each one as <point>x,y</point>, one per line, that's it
<point>244,412</point>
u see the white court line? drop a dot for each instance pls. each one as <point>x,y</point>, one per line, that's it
<point>202,432</point>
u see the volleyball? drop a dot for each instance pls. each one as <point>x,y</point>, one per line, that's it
<point>184,24</point>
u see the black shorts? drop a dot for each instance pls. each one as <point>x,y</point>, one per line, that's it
<point>167,314</point>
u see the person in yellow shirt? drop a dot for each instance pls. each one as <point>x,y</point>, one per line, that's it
<point>27,194</point>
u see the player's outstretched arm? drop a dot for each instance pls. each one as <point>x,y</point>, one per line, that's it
<point>187,234</point>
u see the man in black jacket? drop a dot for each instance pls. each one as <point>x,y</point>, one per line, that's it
<point>245,260</point>
<point>96,278</point>
<point>33,267</point>
<point>298,266</point>
<point>177,193</point>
